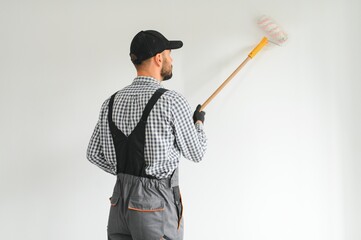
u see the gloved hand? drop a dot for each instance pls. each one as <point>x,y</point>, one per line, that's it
<point>198,116</point>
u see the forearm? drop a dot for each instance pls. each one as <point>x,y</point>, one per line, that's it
<point>95,152</point>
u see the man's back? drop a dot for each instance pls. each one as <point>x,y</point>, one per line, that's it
<point>170,131</point>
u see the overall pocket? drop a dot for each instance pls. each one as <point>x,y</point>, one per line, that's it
<point>113,219</point>
<point>114,200</point>
<point>146,218</point>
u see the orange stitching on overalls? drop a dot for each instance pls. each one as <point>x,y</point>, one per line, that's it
<point>142,210</point>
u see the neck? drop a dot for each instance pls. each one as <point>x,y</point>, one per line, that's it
<point>145,74</point>
<point>152,74</point>
<point>150,68</point>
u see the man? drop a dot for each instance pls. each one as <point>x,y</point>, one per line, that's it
<point>141,133</point>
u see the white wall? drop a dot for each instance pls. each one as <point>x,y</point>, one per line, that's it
<point>284,136</point>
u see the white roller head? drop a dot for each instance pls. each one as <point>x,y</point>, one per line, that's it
<point>272,29</point>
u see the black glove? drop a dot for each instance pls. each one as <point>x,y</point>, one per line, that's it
<point>198,116</point>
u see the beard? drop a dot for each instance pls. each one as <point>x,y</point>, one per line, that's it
<point>166,71</point>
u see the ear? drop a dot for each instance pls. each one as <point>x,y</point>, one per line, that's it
<point>158,58</point>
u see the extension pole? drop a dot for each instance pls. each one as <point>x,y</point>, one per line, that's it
<point>260,45</point>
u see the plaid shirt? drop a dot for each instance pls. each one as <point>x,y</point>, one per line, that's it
<point>170,131</point>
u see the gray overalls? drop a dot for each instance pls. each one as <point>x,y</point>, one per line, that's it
<point>142,207</point>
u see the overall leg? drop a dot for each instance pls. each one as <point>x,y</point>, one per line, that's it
<point>174,215</point>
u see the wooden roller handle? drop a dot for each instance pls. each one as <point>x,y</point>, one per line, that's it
<point>224,83</point>
<point>260,45</point>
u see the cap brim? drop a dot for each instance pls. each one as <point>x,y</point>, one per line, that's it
<point>175,44</point>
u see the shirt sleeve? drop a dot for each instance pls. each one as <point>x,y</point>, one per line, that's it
<point>95,152</point>
<point>190,138</point>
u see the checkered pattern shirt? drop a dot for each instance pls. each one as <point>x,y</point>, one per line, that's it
<point>170,131</point>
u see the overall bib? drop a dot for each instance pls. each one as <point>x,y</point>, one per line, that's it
<point>142,207</point>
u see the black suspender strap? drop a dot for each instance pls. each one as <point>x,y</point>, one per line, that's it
<point>152,102</point>
<point>110,112</point>
<point>129,150</point>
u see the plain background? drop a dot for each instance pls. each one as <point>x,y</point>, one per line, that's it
<point>283,159</point>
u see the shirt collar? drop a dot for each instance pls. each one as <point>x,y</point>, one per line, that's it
<point>146,80</point>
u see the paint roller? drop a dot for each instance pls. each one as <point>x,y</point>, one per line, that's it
<point>275,35</point>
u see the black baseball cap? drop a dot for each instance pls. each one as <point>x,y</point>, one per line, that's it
<point>147,44</point>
